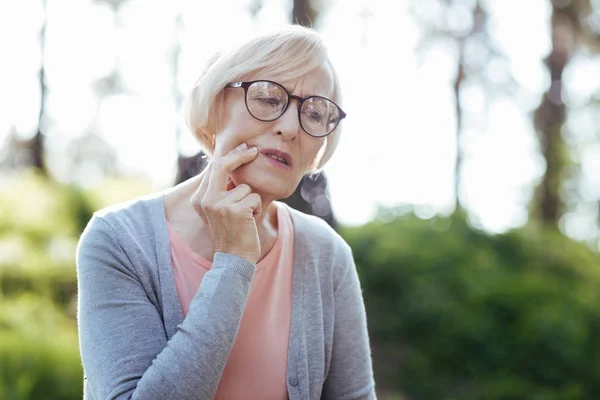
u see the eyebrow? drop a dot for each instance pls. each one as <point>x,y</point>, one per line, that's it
<point>327,96</point>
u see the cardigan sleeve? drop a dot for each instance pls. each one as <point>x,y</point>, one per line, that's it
<point>350,375</point>
<point>123,344</point>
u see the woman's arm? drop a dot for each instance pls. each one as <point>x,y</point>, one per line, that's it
<point>350,375</point>
<point>123,343</point>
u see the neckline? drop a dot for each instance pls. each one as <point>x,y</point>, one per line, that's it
<point>171,307</point>
<point>206,264</point>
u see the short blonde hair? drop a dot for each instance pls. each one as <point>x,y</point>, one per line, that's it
<point>289,53</point>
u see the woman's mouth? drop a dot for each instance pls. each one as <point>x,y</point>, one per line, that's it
<point>277,158</point>
<point>275,161</point>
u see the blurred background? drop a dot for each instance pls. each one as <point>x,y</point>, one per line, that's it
<point>467,180</point>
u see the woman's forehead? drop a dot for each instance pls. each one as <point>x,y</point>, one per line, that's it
<point>317,82</point>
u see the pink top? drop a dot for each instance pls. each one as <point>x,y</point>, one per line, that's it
<point>257,365</point>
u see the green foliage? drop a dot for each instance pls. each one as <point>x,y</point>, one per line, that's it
<point>453,313</point>
<point>457,314</point>
<point>39,357</point>
<point>57,285</point>
<point>40,224</point>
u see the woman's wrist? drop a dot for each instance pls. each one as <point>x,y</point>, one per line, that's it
<point>234,262</point>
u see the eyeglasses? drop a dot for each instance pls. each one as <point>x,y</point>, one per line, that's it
<point>266,101</point>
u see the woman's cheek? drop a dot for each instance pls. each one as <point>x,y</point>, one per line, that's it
<point>312,160</point>
<point>225,143</point>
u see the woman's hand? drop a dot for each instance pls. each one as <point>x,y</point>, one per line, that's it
<point>229,214</point>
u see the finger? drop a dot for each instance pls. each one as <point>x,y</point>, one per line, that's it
<point>202,188</point>
<point>237,194</point>
<point>258,209</point>
<point>227,164</point>
<point>205,179</point>
<point>251,204</point>
<point>230,184</point>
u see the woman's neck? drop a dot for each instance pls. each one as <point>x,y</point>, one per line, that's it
<point>188,224</point>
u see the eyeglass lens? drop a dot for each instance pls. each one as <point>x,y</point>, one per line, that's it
<point>267,101</point>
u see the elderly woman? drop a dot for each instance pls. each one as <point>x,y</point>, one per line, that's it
<point>213,289</point>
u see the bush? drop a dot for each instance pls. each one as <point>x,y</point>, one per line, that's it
<point>57,285</point>
<point>453,313</point>
<point>457,314</point>
<point>40,224</point>
<point>39,357</point>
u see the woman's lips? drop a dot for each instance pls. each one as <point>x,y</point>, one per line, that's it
<point>277,158</point>
<point>274,162</point>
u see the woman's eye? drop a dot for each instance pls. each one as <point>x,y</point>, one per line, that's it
<point>269,100</point>
<point>315,116</point>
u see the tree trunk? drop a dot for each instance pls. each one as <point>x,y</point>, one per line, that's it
<point>303,13</point>
<point>188,167</point>
<point>549,118</point>
<point>478,28</point>
<point>458,80</point>
<point>37,143</point>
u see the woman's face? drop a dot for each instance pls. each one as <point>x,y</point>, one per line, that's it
<point>266,175</point>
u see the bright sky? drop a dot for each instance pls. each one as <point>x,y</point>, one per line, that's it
<point>399,139</point>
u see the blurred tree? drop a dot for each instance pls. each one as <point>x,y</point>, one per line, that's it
<point>476,316</point>
<point>18,153</point>
<point>572,27</point>
<point>304,12</point>
<point>91,157</point>
<point>477,28</point>
<point>187,166</point>
<point>37,143</point>
<point>463,25</point>
<point>25,153</point>
<point>114,4</point>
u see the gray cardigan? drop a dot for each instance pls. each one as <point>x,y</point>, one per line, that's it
<point>135,343</point>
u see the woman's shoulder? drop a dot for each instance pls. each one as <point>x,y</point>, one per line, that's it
<point>130,208</point>
<point>317,236</point>
<point>318,246</point>
<point>129,221</point>
<point>139,210</point>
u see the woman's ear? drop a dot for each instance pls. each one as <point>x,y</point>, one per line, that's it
<point>217,118</point>
<point>313,166</point>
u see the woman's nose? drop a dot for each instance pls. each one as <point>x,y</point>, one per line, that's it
<point>288,124</point>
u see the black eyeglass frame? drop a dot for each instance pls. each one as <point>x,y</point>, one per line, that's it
<point>246,84</point>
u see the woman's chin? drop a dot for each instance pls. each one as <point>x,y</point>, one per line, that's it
<point>263,184</point>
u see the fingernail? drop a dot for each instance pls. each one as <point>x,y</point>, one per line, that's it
<point>241,146</point>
